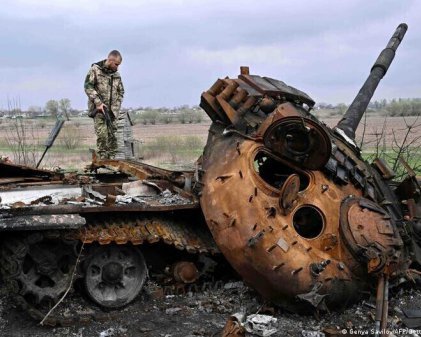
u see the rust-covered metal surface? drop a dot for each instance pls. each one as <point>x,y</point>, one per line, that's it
<point>136,230</point>
<point>125,190</point>
<point>291,203</point>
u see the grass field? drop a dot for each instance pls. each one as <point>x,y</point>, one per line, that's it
<point>171,145</point>
<point>167,145</point>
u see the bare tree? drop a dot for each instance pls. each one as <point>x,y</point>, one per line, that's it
<point>51,107</point>
<point>64,107</point>
<point>373,144</point>
<point>20,140</point>
<point>21,137</point>
<point>13,106</point>
<point>405,145</point>
<point>407,149</point>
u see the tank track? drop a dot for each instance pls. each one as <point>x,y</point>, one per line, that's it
<point>130,230</point>
<point>137,230</point>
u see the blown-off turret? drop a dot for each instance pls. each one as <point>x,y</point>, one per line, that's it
<point>291,203</point>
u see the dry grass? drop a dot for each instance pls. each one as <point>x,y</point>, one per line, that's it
<point>167,145</point>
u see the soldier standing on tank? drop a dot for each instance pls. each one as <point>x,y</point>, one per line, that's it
<point>105,91</point>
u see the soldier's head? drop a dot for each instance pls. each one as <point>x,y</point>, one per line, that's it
<point>114,59</point>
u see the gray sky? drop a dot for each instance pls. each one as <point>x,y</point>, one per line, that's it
<point>174,50</point>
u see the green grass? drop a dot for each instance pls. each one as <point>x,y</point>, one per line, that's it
<point>413,158</point>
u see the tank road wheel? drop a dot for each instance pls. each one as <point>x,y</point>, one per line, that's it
<point>42,267</point>
<point>115,275</point>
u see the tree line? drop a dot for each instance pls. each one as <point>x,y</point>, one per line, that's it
<point>186,114</point>
<point>395,107</point>
<point>52,108</point>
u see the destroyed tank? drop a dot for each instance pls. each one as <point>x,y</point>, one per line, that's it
<point>59,230</point>
<point>289,202</point>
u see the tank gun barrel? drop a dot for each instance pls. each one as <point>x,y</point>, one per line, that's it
<point>349,122</point>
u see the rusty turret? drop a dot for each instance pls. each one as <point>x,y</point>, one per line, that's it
<point>291,203</point>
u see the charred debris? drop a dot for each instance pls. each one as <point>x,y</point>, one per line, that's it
<point>288,202</point>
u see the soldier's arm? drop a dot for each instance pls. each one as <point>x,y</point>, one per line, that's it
<point>120,93</point>
<point>90,90</point>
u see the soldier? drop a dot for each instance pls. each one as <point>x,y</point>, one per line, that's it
<point>105,92</point>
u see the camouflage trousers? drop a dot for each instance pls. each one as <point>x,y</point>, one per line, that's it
<point>106,141</point>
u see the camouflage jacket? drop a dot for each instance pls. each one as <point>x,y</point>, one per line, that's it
<point>101,84</point>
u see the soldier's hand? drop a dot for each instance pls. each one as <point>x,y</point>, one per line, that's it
<point>101,107</point>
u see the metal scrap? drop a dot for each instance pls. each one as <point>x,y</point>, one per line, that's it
<point>234,326</point>
<point>46,194</point>
<point>89,192</point>
<point>41,222</point>
<point>169,198</point>
<point>313,297</point>
<point>140,188</point>
<point>261,325</point>
<point>123,199</point>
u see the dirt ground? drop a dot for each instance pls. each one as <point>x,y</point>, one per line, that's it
<point>205,314</point>
<point>146,132</point>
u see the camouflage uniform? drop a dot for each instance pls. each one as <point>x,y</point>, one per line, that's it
<point>102,85</point>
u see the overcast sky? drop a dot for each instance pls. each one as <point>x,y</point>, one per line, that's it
<point>174,50</point>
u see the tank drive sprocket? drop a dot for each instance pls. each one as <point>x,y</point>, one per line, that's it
<point>38,267</point>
